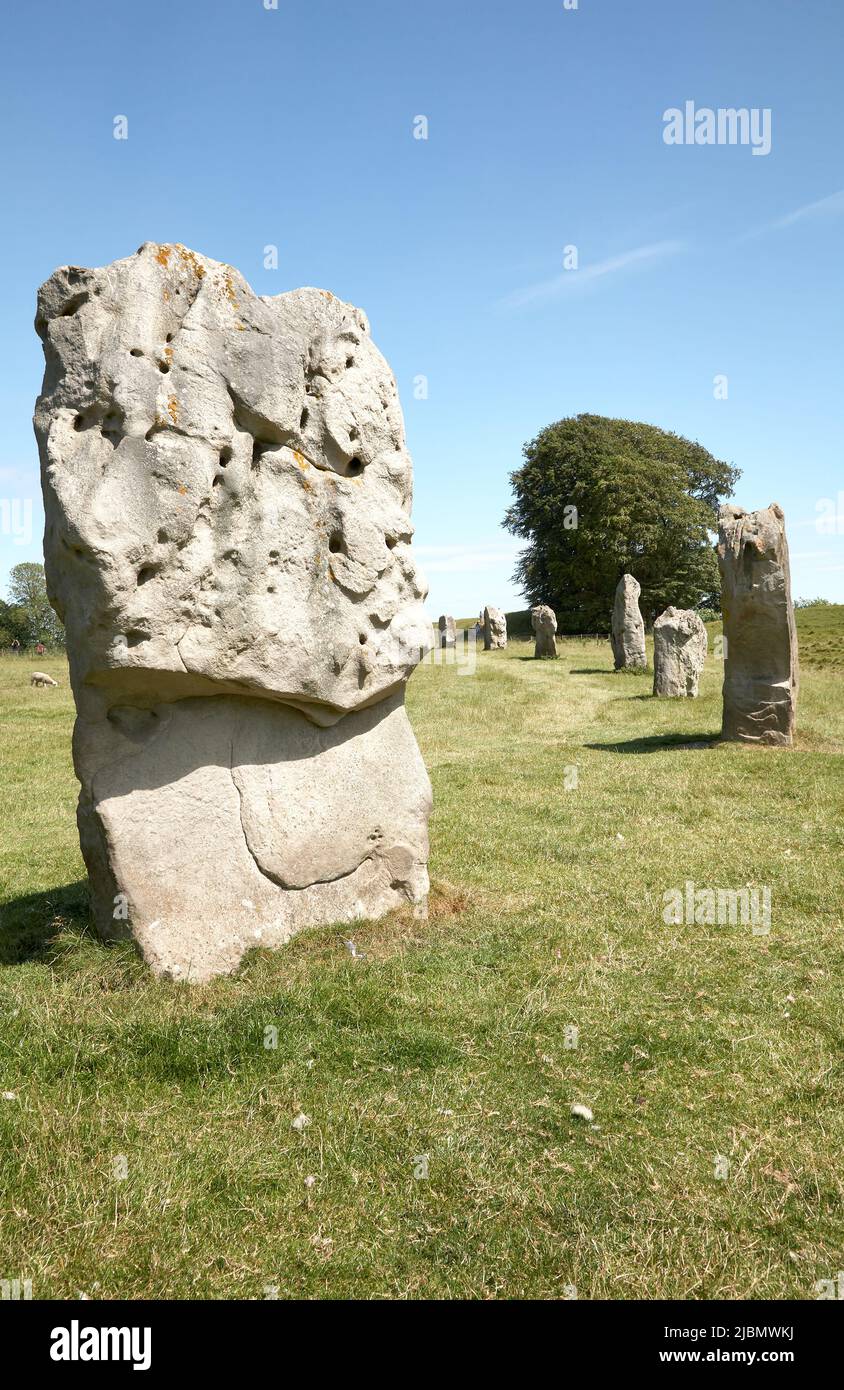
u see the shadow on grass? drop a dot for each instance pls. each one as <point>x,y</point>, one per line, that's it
<point>591,671</point>
<point>652,743</point>
<point>30,925</point>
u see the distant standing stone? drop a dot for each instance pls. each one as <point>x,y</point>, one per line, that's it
<point>628,628</point>
<point>448,631</point>
<point>544,622</point>
<point>761,673</point>
<point>494,629</point>
<point>680,646</point>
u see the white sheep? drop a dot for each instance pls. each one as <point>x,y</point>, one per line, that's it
<point>40,678</point>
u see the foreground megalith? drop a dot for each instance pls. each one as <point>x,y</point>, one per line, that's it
<point>680,646</point>
<point>544,623</point>
<point>494,626</point>
<point>761,674</point>
<point>628,628</point>
<point>227,494</point>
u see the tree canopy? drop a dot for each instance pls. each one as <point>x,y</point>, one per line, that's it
<point>28,594</point>
<point>597,498</point>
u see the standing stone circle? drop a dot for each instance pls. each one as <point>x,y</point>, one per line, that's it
<point>447,630</point>
<point>761,672</point>
<point>228,541</point>
<point>494,625</point>
<point>544,622</point>
<point>628,628</point>
<point>680,646</point>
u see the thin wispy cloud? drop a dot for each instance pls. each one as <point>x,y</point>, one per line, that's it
<point>831,206</point>
<point>570,281</point>
<point>465,559</point>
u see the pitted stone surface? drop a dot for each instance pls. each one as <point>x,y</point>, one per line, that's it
<point>544,623</point>
<point>228,540</point>
<point>761,671</point>
<point>628,627</point>
<point>494,626</point>
<point>680,646</point>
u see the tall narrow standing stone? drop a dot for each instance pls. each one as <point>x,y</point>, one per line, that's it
<point>544,622</point>
<point>494,629</point>
<point>447,630</point>
<point>761,673</point>
<point>227,496</point>
<point>680,646</point>
<point>628,628</point>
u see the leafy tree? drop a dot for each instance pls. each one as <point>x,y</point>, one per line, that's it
<point>13,625</point>
<point>28,592</point>
<point>645,503</point>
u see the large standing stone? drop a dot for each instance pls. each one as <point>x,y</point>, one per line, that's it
<point>628,628</point>
<point>544,622</point>
<point>227,495</point>
<point>761,674</point>
<point>447,631</point>
<point>494,629</point>
<point>680,646</point>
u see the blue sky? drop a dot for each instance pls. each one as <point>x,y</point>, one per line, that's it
<point>294,127</point>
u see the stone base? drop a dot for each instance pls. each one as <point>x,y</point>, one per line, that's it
<point>213,825</point>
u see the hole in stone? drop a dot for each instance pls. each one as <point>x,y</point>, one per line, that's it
<point>79,422</point>
<point>303,418</point>
<point>226,457</point>
<point>354,467</point>
<point>169,338</point>
<point>362,639</point>
<point>164,367</point>
<point>135,352</point>
<point>257,450</point>
<point>162,537</point>
<point>218,478</point>
<point>112,428</point>
<point>350,361</point>
<point>335,543</point>
<point>73,304</point>
<point>136,637</point>
<point>146,573</point>
<point>391,542</point>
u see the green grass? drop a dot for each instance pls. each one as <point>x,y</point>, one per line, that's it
<point>449,1039</point>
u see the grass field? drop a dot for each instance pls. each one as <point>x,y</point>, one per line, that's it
<point>448,1048</point>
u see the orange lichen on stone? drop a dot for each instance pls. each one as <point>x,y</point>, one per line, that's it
<point>173,409</point>
<point>189,258</point>
<point>163,255</point>
<point>168,353</point>
<point>183,490</point>
<point>301,460</point>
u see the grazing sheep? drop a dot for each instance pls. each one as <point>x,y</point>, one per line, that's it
<point>39,678</point>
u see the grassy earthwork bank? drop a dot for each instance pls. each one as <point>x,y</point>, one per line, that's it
<point>145,1129</point>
